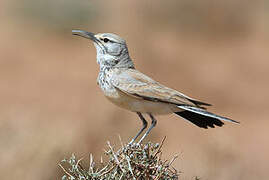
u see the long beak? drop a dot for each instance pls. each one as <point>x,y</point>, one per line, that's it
<point>85,34</point>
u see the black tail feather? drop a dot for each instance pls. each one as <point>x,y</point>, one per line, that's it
<point>200,120</point>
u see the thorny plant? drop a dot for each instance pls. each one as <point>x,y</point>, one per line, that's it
<point>129,162</point>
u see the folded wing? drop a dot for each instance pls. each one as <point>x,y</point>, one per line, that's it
<point>134,83</point>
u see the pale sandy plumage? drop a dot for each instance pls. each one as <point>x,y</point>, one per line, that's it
<point>143,94</point>
<point>128,88</point>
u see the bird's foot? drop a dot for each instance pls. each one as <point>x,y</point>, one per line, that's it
<point>132,144</point>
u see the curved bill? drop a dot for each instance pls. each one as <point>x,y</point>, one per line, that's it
<point>85,34</point>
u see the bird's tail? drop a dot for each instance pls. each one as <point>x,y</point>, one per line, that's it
<point>201,117</point>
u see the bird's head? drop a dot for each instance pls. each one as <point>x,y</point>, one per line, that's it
<point>111,49</point>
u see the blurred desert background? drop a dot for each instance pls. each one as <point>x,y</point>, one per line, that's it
<point>51,106</point>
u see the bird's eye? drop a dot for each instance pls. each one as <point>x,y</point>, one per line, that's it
<point>105,40</point>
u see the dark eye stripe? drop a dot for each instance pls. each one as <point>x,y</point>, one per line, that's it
<point>106,40</point>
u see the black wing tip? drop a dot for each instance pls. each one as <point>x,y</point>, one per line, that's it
<point>205,104</point>
<point>199,103</point>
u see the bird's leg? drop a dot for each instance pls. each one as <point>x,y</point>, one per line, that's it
<point>153,124</point>
<point>145,124</point>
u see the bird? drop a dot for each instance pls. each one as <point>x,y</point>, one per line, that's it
<point>130,89</point>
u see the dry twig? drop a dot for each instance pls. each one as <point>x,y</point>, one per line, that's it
<point>130,162</point>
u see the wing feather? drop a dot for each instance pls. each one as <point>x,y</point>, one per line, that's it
<point>134,83</point>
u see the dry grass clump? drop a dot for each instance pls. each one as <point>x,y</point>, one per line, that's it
<point>129,162</point>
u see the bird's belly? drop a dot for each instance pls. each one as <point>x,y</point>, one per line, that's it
<point>154,108</point>
<point>135,104</point>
